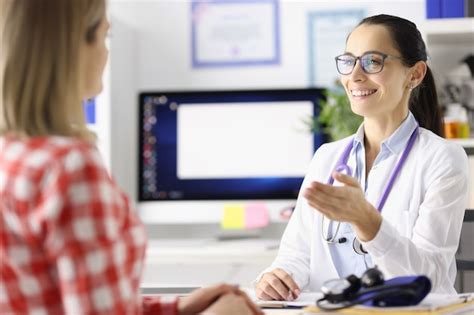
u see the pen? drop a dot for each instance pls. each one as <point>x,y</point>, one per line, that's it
<point>278,305</point>
<point>291,295</point>
<point>465,297</point>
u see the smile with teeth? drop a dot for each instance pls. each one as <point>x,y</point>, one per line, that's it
<point>362,92</point>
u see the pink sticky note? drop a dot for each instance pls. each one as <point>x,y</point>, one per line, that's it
<point>256,215</point>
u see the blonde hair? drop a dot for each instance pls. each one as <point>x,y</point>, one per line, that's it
<point>40,62</point>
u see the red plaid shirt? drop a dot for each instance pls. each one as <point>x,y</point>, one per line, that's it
<point>69,241</point>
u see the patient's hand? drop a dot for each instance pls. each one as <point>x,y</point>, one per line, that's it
<point>218,299</point>
<point>232,303</point>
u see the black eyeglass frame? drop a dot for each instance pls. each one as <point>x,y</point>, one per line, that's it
<point>384,56</point>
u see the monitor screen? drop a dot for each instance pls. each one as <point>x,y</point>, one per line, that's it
<point>225,145</point>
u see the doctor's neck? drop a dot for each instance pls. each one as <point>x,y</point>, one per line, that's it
<point>377,129</point>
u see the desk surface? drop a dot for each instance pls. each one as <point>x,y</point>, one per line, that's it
<point>258,250</point>
<point>432,304</point>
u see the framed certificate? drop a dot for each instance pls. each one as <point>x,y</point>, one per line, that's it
<point>327,32</point>
<point>234,33</point>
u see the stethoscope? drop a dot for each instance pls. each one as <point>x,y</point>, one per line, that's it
<point>341,166</point>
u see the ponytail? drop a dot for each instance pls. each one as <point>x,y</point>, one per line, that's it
<point>424,105</point>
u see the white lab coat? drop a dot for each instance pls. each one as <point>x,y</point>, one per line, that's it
<point>422,216</point>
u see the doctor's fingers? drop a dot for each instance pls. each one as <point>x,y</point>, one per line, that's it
<point>345,179</point>
<point>264,296</point>
<point>275,287</point>
<point>288,281</point>
<point>271,285</point>
<point>332,210</point>
<point>335,191</point>
<point>340,195</point>
<point>319,199</point>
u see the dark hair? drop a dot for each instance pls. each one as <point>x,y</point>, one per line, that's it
<point>407,39</point>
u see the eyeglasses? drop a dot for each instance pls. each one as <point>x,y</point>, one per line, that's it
<point>371,62</point>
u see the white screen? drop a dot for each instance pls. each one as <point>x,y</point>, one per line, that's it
<point>237,140</point>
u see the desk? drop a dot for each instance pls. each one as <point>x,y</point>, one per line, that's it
<point>432,304</point>
<point>197,262</point>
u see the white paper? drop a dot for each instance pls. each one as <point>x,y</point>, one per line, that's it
<point>431,302</point>
<point>305,299</point>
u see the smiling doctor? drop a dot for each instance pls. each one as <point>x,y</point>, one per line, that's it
<point>393,194</point>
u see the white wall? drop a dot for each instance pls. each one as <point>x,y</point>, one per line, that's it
<point>150,50</point>
<point>163,54</point>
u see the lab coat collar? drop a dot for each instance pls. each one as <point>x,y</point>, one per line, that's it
<point>397,141</point>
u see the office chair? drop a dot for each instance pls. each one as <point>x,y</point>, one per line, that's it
<point>465,264</point>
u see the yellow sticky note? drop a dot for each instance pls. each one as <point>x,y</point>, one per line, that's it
<point>233,217</point>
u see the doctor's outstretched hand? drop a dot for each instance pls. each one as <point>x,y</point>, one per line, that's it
<point>345,203</point>
<point>277,285</point>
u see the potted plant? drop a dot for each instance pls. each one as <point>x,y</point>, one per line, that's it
<point>335,118</point>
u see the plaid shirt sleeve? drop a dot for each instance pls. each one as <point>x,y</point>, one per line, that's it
<point>93,243</point>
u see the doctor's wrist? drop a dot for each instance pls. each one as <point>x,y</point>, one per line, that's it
<point>368,225</point>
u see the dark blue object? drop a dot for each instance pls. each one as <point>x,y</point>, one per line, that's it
<point>372,290</point>
<point>433,9</point>
<point>452,8</point>
<point>400,291</point>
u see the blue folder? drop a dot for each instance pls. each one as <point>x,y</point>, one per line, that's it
<point>452,8</point>
<point>433,9</point>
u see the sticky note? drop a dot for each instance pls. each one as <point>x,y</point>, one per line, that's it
<point>256,216</point>
<point>233,217</point>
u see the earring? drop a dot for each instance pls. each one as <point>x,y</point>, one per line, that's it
<point>411,87</point>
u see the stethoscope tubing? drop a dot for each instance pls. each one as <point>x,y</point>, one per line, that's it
<point>341,166</point>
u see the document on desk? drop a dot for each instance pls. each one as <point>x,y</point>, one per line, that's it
<point>435,301</point>
<point>433,304</point>
<point>305,299</point>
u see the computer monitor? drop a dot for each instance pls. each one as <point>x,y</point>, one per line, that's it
<point>225,145</point>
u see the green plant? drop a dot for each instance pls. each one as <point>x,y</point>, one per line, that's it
<point>336,118</point>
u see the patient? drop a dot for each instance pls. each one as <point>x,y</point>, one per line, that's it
<point>70,243</point>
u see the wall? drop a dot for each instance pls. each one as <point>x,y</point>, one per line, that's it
<point>471,184</point>
<point>150,50</point>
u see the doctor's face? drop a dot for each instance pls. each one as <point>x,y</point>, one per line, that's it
<point>384,90</point>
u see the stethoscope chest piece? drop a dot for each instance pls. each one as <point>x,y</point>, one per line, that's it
<point>358,248</point>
